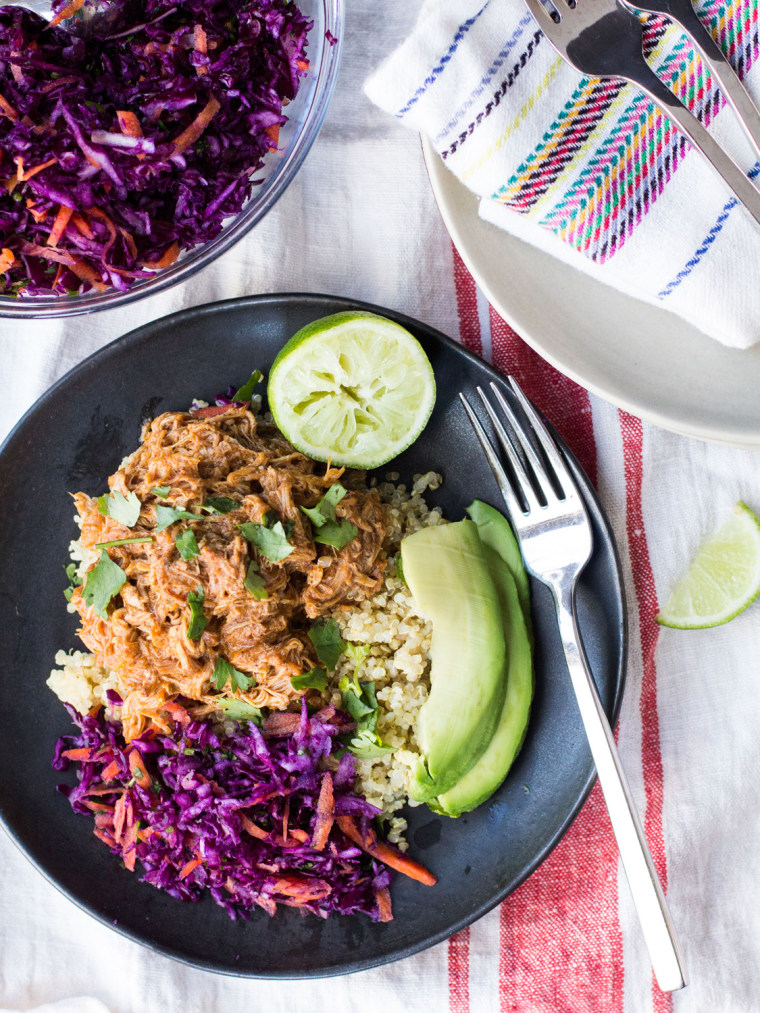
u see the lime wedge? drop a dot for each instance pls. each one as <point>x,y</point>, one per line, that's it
<point>353,388</point>
<point>723,579</point>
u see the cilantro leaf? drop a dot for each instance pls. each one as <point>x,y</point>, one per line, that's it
<point>336,533</point>
<point>187,546</point>
<point>328,643</point>
<point>357,707</point>
<point>124,509</point>
<point>271,542</point>
<point>122,541</point>
<point>225,672</point>
<point>162,491</point>
<point>220,505</point>
<point>316,678</point>
<point>74,580</point>
<point>102,583</point>
<point>324,511</point>
<point>198,621</point>
<point>239,710</point>
<point>400,569</point>
<point>245,392</point>
<point>255,583</point>
<point>166,516</point>
<point>368,745</point>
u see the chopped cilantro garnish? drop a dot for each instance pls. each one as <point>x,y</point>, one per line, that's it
<point>224,672</point>
<point>367,745</point>
<point>271,542</point>
<point>124,509</point>
<point>122,541</point>
<point>364,709</point>
<point>328,643</point>
<point>102,583</point>
<point>358,654</point>
<point>239,710</point>
<point>328,530</point>
<point>162,491</point>
<point>316,678</point>
<point>336,533</point>
<point>198,621</point>
<point>245,392</point>
<point>74,580</point>
<point>324,511</point>
<point>166,516</point>
<point>400,569</point>
<point>220,505</point>
<point>187,546</point>
<point>255,583</point>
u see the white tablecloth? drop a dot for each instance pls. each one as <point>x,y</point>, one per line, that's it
<point>360,221</point>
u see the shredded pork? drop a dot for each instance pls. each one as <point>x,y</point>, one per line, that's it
<point>144,637</point>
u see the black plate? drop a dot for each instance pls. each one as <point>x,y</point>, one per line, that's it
<point>73,438</point>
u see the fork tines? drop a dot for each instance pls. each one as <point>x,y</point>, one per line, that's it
<point>538,479</point>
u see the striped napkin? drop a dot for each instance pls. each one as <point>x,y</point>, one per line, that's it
<point>586,169</point>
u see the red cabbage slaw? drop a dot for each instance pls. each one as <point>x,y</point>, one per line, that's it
<point>126,144</point>
<point>255,818</point>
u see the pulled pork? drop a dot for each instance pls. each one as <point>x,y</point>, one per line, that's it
<point>144,638</point>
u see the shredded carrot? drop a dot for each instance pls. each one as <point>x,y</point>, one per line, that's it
<point>66,12</point>
<point>137,766</point>
<point>59,225</point>
<point>199,124</point>
<point>6,260</point>
<point>128,852</point>
<point>103,836</point>
<point>273,133</point>
<point>119,815</point>
<point>86,272</point>
<point>168,257</point>
<point>129,123</point>
<point>383,897</point>
<point>199,42</point>
<point>24,174</point>
<point>325,813</point>
<point>98,807</point>
<point>82,225</point>
<point>85,753</point>
<point>57,278</point>
<point>302,64</point>
<point>298,835</point>
<point>384,853</point>
<point>8,109</point>
<point>178,712</point>
<point>111,772</point>
<point>129,239</point>
<point>188,867</point>
<point>301,888</point>
<point>251,828</point>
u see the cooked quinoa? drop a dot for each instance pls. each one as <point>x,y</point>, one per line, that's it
<point>398,661</point>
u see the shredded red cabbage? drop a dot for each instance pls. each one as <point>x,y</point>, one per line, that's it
<point>125,143</point>
<point>235,815</point>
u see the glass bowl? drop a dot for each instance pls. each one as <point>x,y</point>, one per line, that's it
<point>305,115</point>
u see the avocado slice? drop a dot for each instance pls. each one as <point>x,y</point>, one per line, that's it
<point>485,776</point>
<point>449,577</point>
<point>495,532</point>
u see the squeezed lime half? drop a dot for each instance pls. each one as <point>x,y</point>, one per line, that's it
<point>354,388</point>
<point>723,578</point>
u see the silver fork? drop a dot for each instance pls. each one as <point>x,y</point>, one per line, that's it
<point>552,526</point>
<point>684,15</point>
<point>602,39</point>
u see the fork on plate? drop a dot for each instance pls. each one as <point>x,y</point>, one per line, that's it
<point>602,39</point>
<point>684,15</point>
<point>552,526</point>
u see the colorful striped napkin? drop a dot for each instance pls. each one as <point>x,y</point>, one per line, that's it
<point>587,169</point>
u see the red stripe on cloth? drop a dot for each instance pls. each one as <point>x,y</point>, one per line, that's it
<point>560,400</point>
<point>561,944</point>
<point>459,972</point>
<point>646,596</point>
<point>467,305</point>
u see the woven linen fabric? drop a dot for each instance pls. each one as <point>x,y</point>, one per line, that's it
<point>360,221</point>
<point>588,169</point>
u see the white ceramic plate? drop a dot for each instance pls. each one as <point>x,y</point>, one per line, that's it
<point>639,357</point>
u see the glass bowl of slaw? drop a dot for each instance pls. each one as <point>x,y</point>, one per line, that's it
<point>305,115</point>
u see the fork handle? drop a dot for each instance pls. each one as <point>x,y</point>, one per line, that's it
<point>722,71</point>
<point>648,896</point>
<point>645,78</point>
